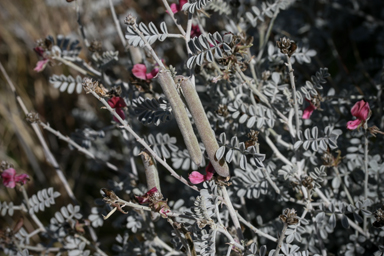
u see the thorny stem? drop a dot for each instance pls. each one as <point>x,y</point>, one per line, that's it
<point>48,154</point>
<point>143,143</point>
<point>254,229</point>
<point>117,24</point>
<point>232,213</point>
<point>282,236</point>
<point>293,85</point>
<point>366,177</point>
<point>74,144</point>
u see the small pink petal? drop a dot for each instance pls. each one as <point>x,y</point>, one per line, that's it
<point>8,177</point>
<point>120,112</point>
<point>153,73</point>
<point>210,171</point>
<point>41,65</point>
<point>39,50</point>
<point>352,125</point>
<point>308,111</point>
<point>195,31</point>
<point>152,191</point>
<point>139,71</point>
<point>173,8</point>
<point>142,200</point>
<point>196,177</point>
<point>22,178</point>
<point>182,3</point>
<point>116,102</point>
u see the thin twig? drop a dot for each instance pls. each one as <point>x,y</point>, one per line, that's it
<point>74,144</point>
<point>48,154</point>
<point>232,213</point>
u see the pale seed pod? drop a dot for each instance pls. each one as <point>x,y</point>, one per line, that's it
<point>152,176</point>
<point>203,127</point>
<point>169,88</point>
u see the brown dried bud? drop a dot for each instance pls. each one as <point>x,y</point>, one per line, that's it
<point>5,165</point>
<point>307,182</point>
<point>33,118</point>
<point>379,215</point>
<point>289,216</point>
<point>95,46</point>
<point>222,110</point>
<point>265,75</point>
<point>286,46</point>
<point>89,86</point>
<point>253,138</point>
<point>130,20</point>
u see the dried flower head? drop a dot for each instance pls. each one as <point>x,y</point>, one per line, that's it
<point>222,110</point>
<point>253,138</point>
<point>130,20</point>
<point>289,216</point>
<point>286,46</point>
<point>379,215</point>
<point>5,165</point>
<point>265,75</point>
<point>89,85</point>
<point>95,46</point>
<point>307,182</point>
<point>33,117</point>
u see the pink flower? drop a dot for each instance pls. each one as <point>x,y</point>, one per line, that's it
<point>117,103</point>
<point>309,110</point>
<point>361,111</point>
<point>41,64</point>
<point>140,71</point>
<point>177,7</point>
<point>10,178</point>
<point>196,177</point>
<point>195,31</point>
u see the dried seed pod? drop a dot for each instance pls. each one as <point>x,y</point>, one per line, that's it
<point>169,88</point>
<point>203,126</point>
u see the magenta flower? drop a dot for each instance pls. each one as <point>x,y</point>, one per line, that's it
<point>196,177</point>
<point>145,198</point>
<point>309,110</point>
<point>41,64</point>
<point>140,71</point>
<point>10,178</point>
<point>117,103</point>
<point>177,7</point>
<point>361,111</point>
<point>195,31</point>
